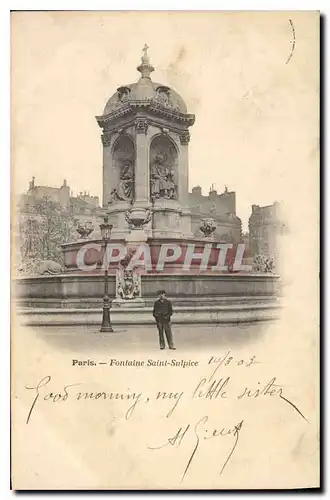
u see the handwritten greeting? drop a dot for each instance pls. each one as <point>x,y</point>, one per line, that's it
<point>214,386</point>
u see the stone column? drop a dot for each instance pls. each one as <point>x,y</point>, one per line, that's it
<point>184,169</point>
<point>184,184</point>
<point>109,174</point>
<point>142,164</point>
<point>116,209</point>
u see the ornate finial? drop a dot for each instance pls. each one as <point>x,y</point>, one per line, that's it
<point>145,68</point>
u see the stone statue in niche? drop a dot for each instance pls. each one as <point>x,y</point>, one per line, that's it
<point>163,97</point>
<point>162,185</point>
<point>124,190</point>
<point>123,94</point>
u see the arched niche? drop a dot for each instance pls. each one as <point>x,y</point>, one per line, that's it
<point>163,168</point>
<point>123,164</point>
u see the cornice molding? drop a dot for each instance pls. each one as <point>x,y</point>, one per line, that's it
<point>147,106</point>
<point>141,124</point>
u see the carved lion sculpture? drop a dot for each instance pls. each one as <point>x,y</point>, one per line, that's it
<point>50,267</point>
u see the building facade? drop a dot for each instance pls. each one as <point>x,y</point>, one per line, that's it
<point>220,207</point>
<point>60,197</point>
<point>266,225</point>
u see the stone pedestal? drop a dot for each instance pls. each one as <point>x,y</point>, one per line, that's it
<point>135,237</point>
<point>167,221</point>
<point>186,223</point>
<point>208,239</point>
<point>128,304</point>
<point>117,212</point>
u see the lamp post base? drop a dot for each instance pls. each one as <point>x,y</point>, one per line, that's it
<point>106,329</point>
<point>106,322</point>
<point>106,325</point>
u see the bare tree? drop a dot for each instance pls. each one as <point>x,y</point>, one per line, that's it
<point>42,234</point>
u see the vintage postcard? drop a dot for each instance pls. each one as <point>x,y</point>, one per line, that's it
<point>165,250</point>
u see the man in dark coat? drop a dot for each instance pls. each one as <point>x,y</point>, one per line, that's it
<point>162,313</point>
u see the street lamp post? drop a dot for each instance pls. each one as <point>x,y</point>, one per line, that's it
<point>106,321</point>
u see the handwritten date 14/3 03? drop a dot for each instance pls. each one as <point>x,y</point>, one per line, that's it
<point>229,360</point>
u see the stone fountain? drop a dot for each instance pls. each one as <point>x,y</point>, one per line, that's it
<point>145,138</point>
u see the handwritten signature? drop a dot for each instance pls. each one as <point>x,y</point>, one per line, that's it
<point>201,433</point>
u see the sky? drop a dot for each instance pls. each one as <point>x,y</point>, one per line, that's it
<point>256,114</point>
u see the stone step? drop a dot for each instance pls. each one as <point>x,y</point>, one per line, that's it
<point>238,313</point>
<point>90,303</point>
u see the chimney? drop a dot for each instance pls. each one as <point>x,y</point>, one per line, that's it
<point>213,192</point>
<point>197,191</point>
